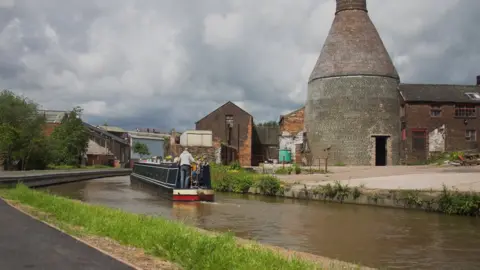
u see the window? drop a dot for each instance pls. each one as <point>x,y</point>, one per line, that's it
<point>229,120</point>
<point>467,111</point>
<point>471,135</point>
<point>435,111</point>
<point>419,140</point>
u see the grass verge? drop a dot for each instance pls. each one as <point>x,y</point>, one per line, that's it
<point>170,240</point>
<point>70,167</point>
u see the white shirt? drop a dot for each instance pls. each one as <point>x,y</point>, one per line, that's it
<point>186,158</point>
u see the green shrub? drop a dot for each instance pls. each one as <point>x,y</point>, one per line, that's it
<point>268,185</point>
<point>235,166</point>
<point>297,168</point>
<point>224,179</point>
<point>282,171</point>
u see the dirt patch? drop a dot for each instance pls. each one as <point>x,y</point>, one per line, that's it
<point>132,255</point>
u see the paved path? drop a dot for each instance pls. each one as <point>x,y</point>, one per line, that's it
<point>464,178</point>
<point>426,181</point>
<point>26,243</point>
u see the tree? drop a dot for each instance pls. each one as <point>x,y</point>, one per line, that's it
<point>69,141</point>
<point>21,130</point>
<point>141,149</point>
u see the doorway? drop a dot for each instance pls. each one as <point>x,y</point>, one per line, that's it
<point>381,150</point>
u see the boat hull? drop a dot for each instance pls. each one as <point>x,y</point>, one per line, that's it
<point>193,195</point>
<point>174,194</point>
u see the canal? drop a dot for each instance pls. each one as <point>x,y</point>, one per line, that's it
<point>372,236</point>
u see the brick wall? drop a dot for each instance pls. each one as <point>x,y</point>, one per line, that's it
<point>206,153</point>
<point>418,117</point>
<point>293,122</point>
<point>49,127</point>
<point>298,154</point>
<point>240,134</point>
<point>98,160</point>
<point>347,124</point>
<point>245,151</point>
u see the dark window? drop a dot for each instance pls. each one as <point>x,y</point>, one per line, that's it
<point>419,139</point>
<point>471,135</point>
<point>435,111</point>
<point>229,120</point>
<point>467,111</point>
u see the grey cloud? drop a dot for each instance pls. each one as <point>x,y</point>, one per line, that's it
<point>167,63</point>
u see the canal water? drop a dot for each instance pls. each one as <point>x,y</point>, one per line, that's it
<point>372,236</point>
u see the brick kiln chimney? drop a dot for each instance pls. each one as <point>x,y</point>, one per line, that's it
<point>353,91</point>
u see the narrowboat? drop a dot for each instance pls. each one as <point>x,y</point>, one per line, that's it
<point>166,176</point>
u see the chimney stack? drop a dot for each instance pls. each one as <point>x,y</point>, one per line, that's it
<point>353,83</point>
<point>351,5</point>
<point>478,80</point>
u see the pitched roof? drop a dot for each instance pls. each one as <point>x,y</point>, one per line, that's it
<point>112,128</point>
<point>353,46</point>
<point>444,93</point>
<point>105,133</point>
<point>96,149</point>
<point>53,116</point>
<point>290,113</point>
<point>227,103</point>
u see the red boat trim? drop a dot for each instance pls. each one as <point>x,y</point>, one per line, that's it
<point>191,198</point>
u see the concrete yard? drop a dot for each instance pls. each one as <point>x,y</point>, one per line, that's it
<point>395,177</point>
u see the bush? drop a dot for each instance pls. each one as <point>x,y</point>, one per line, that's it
<point>297,168</point>
<point>282,171</point>
<point>268,185</point>
<point>224,179</point>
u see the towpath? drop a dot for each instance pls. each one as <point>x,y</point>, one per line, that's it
<point>395,177</point>
<point>26,243</point>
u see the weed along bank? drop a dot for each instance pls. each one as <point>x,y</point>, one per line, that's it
<point>447,200</point>
<point>178,245</point>
<point>435,189</point>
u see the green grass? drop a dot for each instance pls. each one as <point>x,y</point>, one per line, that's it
<point>170,240</point>
<point>70,167</point>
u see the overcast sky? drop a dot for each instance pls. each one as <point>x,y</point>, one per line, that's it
<point>166,63</point>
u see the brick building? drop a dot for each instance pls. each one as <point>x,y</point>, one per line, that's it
<point>232,126</point>
<point>439,118</point>
<point>105,148</point>
<point>292,133</point>
<point>293,122</point>
<point>53,119</point>
<point>265,143</point>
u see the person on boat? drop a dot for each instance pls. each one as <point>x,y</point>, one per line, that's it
<point>185,166</point>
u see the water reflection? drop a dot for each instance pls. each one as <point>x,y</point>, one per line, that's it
<point>379,237</point>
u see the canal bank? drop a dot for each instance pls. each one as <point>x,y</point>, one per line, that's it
<point>56,177</point>
<point>174,241</point>
<point>450,190</point>
<point>378,237</point>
